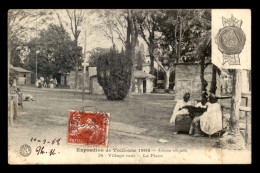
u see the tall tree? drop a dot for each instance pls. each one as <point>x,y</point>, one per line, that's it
<point>121,25</point>
<point>173,43</point>
<point>131,41</point>
<point>139,57</point>
<point>114,74</point>
<point>19,25</point>
<point>113,24</point>
<point>74,20</point>
<point>200,35</point>
<point>233,138</point>
<point>55,51</point>
<point>95,54</point>
<point>148,25</point>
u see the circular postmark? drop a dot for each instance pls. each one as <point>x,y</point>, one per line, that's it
<point>25,150</point>
<point>230,40</point>
<point>88,128</point>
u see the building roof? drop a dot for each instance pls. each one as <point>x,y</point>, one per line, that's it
<point>19,69</point>
<point>141,74</point>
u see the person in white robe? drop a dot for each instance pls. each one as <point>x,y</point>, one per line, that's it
<point>210,121</point>
<point>178,110</point>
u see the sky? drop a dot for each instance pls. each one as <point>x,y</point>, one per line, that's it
<point>94,37</point>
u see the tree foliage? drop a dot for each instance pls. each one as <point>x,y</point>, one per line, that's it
<point>19,28</point>
<point>56,52</point>
<point>114,74</point>
<point>95,54</point>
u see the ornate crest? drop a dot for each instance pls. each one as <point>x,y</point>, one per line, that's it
<point>231,40</point>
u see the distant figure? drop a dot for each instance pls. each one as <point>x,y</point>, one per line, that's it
<point>28,97</point>
<point>54,82</point>
<point>14,83</point>
<point>46,82</point>
<point>51,83</point>
<point>40,84</point>
<point>178,108</point>
<point>37,83</point>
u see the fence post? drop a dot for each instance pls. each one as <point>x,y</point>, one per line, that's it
<point>11,113</point>
<point>247,128</point>
<point>15,106</point>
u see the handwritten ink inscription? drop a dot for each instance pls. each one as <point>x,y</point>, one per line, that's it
<point>41,150</point>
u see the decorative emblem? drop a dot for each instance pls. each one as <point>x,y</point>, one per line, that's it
<point>231,40</point>
<point>25,150</point>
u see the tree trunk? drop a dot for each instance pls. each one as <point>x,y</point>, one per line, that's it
<point>233,139</point>
<point>152,63</point>
<point>132,40</point>
<point>179,44</point>
<point>9,50</point>
<point>213,86</point>
<point>235,100</point>
<point>202,80</point>
<point>76,63</point>
<point>76,77</point>
<point>176,42</point>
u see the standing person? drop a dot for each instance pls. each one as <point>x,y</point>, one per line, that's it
<point>42,82</point>
<point>178,110</point>
<point>47,82</point>
<point>51,83</point>
<point>14,83</point>
<point>36,83</point>
<point>55,82</point>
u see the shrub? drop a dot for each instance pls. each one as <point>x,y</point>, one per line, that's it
<point>114,74</point>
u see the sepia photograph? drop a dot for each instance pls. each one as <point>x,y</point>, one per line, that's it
<point>129,86</point>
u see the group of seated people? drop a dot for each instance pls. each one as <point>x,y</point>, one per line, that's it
<point>206,116</point>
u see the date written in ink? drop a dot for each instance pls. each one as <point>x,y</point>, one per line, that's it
<point>40,150</point>
<point>44,141</point>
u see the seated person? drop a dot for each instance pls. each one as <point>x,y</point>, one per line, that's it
<point>178,110</point>
<point>199,109</point>
<point>210,121</point>
<point>28,97</point>
<point>203,103</point>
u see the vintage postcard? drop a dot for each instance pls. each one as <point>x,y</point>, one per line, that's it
<point>129,86</point>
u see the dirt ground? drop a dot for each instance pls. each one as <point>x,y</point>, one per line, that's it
<point>140,120</point>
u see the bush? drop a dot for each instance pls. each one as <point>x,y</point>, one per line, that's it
<point>114,74</point>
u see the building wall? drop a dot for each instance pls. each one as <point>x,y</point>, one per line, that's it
<point>146,68</point>
<point>95,88</point>
<point>139,85</point>
<point>23,80</point>
<point>71,80</point>
<point>187,79</point>
<point>149,85</point>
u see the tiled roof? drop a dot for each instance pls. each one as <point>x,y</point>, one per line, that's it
<point>19,69</point>
<point>141,74</point>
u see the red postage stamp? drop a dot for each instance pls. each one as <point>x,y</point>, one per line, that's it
<point>88,128</point>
